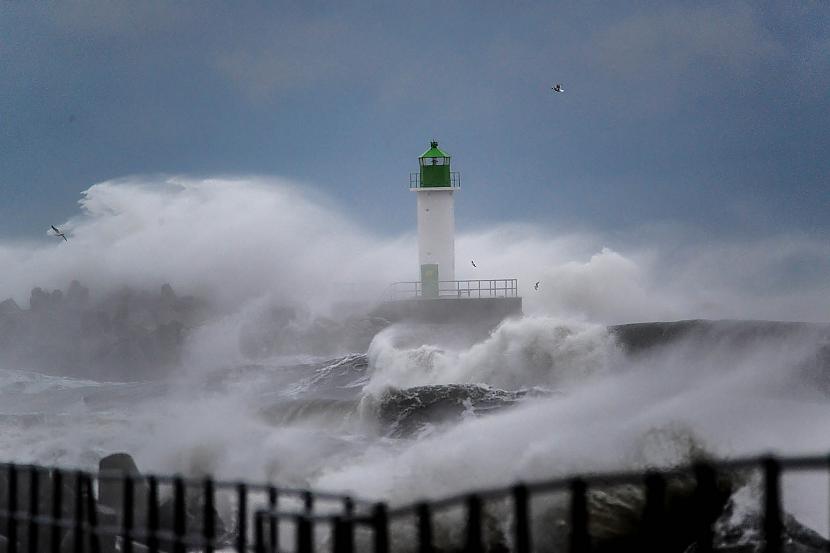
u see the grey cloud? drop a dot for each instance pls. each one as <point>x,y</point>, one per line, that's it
<point>304,54</point>
<point>677,51</point>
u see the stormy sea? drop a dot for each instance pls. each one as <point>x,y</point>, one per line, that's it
<point>226,353</point>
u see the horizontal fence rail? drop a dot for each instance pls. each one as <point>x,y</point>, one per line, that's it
<point>52,510</point>
<point>490,288</point>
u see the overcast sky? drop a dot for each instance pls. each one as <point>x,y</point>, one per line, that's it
<point>713,117</point>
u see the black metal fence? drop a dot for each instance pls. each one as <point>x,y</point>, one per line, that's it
<point>50,510</point>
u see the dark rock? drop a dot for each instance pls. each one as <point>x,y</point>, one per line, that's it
<point>111,487</point>
<point>639,337</point>
<point>9,307</point>
<point>168,296</point>
<point>76,294</point>
<point>38,299</point>
<point>407,411</point>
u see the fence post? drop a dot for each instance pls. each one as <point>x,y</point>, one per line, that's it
<point>580,539</point>
<point>57,511</point>
<point>259,532</point>
<point>522,516</point>
<point>34,501</point>
<point>380,521</point>
<point>308,501</point>
<point>153,514</point>
<point>305,543</point>
<point>242,514</point>
<point>474,542</point>
<point>424,528</point>
<point>12,526</point>
<point>208,524</point>
<point>343,540</point>
<point>92,513</point>
<point>654,533</point>
<point>273,520</point>
<point>772,506</point>
<point>78,538</point>
<point>127,518</point>
<point>705,495</point>
<point>179,516</point>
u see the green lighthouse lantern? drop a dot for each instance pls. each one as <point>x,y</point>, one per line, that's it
<point>435,168</point>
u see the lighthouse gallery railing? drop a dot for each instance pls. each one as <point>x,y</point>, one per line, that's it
<point>492,288</point>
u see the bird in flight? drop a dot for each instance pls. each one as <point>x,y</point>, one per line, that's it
<point>474,264</point>
<point>557,88</point>
<point>59,233</point>
<point>536,286</point>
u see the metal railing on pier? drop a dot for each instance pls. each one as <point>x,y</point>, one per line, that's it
<point>492,288</point>
<point>51,510</point>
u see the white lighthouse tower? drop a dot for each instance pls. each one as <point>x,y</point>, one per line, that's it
<point>435,184</point>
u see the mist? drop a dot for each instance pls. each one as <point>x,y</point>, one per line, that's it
<point>232,241</point>
<point>234,285</point>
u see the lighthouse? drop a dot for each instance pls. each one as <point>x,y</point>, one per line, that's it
<point>435,186</point>
<point>437,297</point>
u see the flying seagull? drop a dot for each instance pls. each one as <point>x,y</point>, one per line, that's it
<point>474,264</point>
<point>557,88</point>
<point>536,286</point>
<point>59,233</point>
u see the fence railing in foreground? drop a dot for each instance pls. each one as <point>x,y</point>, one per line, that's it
<point>485,288</point>
<point>50,510</point>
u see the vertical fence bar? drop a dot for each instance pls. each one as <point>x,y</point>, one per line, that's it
<point>242,515</point>
<point>772,506</point>
<point>343,540</point>
<point>521,513</point>
<point>654,531</point>
<point>305,543</point>
<point>127,514</point>
<point>153,514</point>
<point>474,543</point>
<point>209,524</point>
<point>308,501</point>
<point>179,514</point>
<point>273,520</point>
<point>380,521</point>
<point>78,537</point>
<point>705,495</point>
<point>57,511</point>
<point>259,532</point>
<point>92,513</point>
<point>347,525</point>
<point>424,515</point>
<point>337,534</point>
<point>580,540</point>
<point>12,526</point>
<point>34,501</point>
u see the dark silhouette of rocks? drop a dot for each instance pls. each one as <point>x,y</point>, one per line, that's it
<point>128,334</point>
<point>111,490</point>
<point>640,337</point>
<point>9,307</point>
<point>288,330</point>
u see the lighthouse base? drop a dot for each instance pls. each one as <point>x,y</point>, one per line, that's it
<point>489,311</point>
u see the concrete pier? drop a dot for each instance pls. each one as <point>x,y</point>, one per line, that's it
<point>451,310</point>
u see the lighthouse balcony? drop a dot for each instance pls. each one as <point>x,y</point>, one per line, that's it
<point>493,288</point>
<point>417,183</point>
